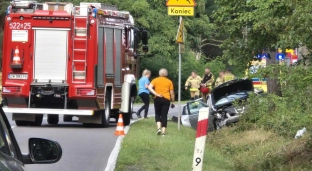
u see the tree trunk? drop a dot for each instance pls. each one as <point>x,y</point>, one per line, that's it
<point>273,83</point>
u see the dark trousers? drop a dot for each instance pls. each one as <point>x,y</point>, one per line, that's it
<point>146,100</point>
<point>161,110</point>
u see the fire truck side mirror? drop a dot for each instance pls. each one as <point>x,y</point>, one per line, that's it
<point>137,38</point>
<point>144,37</point>
<point>145,49</point>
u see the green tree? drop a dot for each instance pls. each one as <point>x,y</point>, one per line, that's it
<point>252,25</point>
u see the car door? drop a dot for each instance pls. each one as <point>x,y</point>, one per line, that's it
<point>10,150</point>
<point>193,110</point>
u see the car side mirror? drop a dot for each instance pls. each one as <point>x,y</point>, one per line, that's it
<point>42,151</point>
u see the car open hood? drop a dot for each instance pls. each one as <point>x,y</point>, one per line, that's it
<point>231,87</point>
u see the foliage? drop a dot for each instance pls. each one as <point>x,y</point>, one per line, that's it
<point>189,64</point>
<point>257,25</point>
<point>288,113</point>
<point>152,15</point>
<point>3,7</point>
<point>216,66</point>
<point>257,149</point>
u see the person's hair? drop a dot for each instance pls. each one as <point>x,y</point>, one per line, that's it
<point>146,72</point>
<point>207,68</point>
<point>163,72</point>
<point>228,70</point>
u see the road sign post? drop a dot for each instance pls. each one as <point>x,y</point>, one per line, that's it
<point>179,89</point>
<point>180,8</point>
<point>180,40</point>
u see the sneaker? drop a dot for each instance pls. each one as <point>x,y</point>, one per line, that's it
<point>158,132</point>
<point>138,115</point>
<point>163,134</point>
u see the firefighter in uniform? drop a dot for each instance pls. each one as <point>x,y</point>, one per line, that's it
<point>219,79</point>
<point>206,81</point>
<point>228,76</point>
<point>193,83</point>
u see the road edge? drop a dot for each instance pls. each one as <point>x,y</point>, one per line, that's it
<point>111,163</point>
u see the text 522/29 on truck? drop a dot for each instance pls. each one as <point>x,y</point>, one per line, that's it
<point>61,59</point>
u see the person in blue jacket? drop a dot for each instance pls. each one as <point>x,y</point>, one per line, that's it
<point>144,92</point>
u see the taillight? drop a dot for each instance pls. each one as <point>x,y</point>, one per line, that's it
<point>86,92</point>
<point>11,89</point>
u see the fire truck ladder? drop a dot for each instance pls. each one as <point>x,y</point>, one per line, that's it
<point>78,39</point>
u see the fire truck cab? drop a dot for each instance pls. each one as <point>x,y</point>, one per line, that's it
<point>61,59</point>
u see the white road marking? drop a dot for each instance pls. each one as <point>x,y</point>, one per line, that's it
<point>13,127</point>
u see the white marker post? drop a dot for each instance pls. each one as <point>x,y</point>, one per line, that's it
<point>200,141</point>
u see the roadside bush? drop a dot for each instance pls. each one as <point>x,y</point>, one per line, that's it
<point>189,64</point>
<point>288,113</point>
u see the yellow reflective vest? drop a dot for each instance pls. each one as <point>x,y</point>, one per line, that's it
<point>228,77</point>
<point>193,83</point>
<point>218,81</point>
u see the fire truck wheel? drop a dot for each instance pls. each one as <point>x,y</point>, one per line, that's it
<point>21,123</point>
<point>106,113</point>
<point>38,120</point>
<point>68,118</point>
<point>53,119</point>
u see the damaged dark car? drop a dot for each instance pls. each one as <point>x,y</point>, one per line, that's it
<point>222,110</point>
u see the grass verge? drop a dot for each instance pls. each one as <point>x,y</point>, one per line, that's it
<point>229,149</point>
<point>257,149</point>
<point>143,150</point>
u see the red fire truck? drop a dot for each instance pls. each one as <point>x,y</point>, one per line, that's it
<point>61,59</point>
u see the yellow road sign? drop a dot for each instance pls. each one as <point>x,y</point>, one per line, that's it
<point>180,35</point>
<point>185,3</point>
<point>181,11</point>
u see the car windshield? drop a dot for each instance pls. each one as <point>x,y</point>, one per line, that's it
<point>195,106</point>
<point>232,97</point>
<point>3,146</point>
<point>5,139</point>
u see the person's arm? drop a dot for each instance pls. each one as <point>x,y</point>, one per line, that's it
<point>146,83</point>
<point>187,83</point>
<point>171,93</point>
<point>172,96</point>
<point>199,81</point>
<point>150,88</point>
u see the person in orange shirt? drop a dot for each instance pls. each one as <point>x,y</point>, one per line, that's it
<point>162,88</point>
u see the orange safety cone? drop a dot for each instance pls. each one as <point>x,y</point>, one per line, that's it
<point>16,57</point>
<point>120,127</point>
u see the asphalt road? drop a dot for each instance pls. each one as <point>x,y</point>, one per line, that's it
<point>84,149</point>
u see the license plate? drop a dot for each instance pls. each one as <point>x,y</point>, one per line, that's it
<point>18,76</point>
